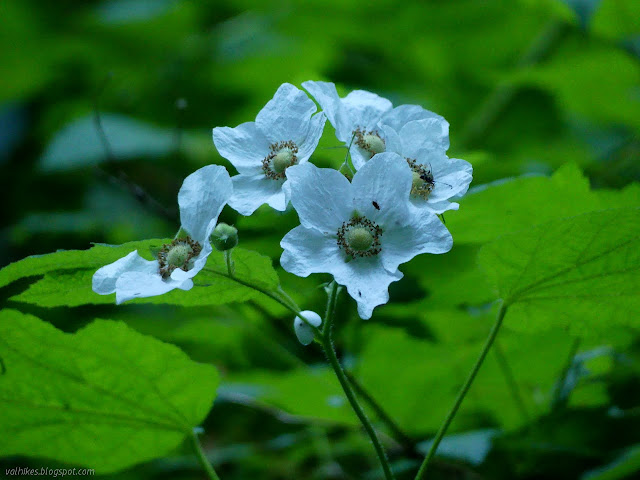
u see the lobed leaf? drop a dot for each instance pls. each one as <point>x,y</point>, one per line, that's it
<point>67,277</point>
<point>582,273</point>
<point>105,397</point>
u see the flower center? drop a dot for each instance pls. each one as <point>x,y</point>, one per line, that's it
<point>359,237</point>
<point>422,184</point>
<point>281,156</point>
<point>369,141</point>
<point>177,254</point>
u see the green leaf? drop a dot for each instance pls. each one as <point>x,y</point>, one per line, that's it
<point>582,273</point>
<point>65,260</point>
<point>509,206</point>
<point>67,277</point>
<point>105,397</point>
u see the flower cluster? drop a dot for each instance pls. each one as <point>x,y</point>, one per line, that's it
<point>360,230</point>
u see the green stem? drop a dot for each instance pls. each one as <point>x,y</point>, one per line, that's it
<point>197,448</point>
<point>271,295</point>
<point>511,382</point>
<point>422,473</point>
<point>560,396</point>
<point>327,344</point>
<point>396,432</point>
<point>227,257</point>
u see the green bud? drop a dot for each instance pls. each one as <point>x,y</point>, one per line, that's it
<point>224,237</point>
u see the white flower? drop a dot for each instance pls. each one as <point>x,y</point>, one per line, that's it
<point>360,231</point>
<point>436,177</point>
<point>303,331</point>
<point>285,133</point>
<point>201,199</point>
<point>361,115</point>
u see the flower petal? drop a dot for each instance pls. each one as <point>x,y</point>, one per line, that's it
<point>402,115</point>
<point>307,251</point>
<point>132,285</point>
<point>251,191</point>
<point>367,282</point>
<point>310,143</point>
<point>424,233</point>
<point>431,134</point>
<point>359,156</point>
<point>286,116</point>
<point>321,196</point>
<point>392,142</point>
<point>365,109</point>
<point>104,280</point>
<point>202,197</point>
<point>381,190</point>
<point>452,177</point>
<point>244,146</point>
<point>326,95</point>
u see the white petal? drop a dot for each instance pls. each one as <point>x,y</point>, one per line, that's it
<point>251,191</point>
<point>425,233</point>
<point>286,116</point>
<point>321,196</point>
<point>381,190</point>
<point>452,177</point>
<point>307,251</point>
<point>392,142</point>
<point>365,109</point>
<point>202,197</point>
<point>327,97</point>
<point>310,143</point>
<point>244,146</point>
<point>359,156</point>
<point>420,135</point>
<point>434,207</point>
<point>132,285</point>
<point>400,116</point>
<point>367,282</point>
<point>104,280</point>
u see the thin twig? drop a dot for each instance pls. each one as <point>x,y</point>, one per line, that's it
<point>121,179</point>
<point>511,382</point>
<point>422,473</point>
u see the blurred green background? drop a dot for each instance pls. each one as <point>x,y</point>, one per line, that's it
<point>527,87</point>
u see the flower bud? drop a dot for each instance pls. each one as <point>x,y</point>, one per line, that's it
<point>224,237</point>
<point>302,329</point>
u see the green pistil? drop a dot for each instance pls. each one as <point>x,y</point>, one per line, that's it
<point>359,238</point>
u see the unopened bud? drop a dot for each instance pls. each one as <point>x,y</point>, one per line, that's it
<point>303,331</point>
<point>224,237</point>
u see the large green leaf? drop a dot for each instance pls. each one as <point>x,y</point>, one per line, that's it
<point>582,272</point>
<point>67,277</point>
<point>509,206</point>
<point>105,397</point>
